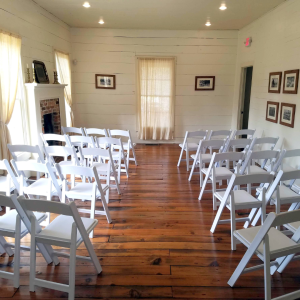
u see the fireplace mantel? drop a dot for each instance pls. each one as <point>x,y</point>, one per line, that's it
<point>35,94</point>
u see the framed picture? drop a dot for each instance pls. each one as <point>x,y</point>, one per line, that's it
<point>103,81</point>
<point>287,114</point>
<point>290,83</point>
<point>40,71</point>
<point>205,83</point>
<point>275,82</point>
<point>272,111</point>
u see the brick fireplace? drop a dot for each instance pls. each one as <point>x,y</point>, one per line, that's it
<point>50,116</point>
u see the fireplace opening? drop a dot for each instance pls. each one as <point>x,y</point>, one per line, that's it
<point>48,123</point>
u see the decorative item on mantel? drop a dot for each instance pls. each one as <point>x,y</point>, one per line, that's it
<point>55,78</point>
<point>33,74</point>
<point>40,72</point>
<point>28,80</point>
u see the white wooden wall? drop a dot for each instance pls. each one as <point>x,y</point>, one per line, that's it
<point>40,31</point>
<point>105,51</point>
<point>275,47</point>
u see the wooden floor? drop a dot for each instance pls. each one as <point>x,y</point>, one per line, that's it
<point>158,246</point>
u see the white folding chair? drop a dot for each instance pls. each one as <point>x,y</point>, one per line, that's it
<point>248,132</point>
<point>104,165</point>
<point>118,156</point>
<point>127,145</point>
<point>262,143</point>
<point>218,173</point>
<point>51,139</point>
<point>47,187</point>
<point>219,134</point>
<point>268,244</point>
<point>189,145</point>
<point>85,190</point>
<point>201,157</point>
<point>239,199</point>
<point>68,230</point>
<point>234,144</point>
<point>289,154</point>
<point>12,226</point>
<point>81,141</point>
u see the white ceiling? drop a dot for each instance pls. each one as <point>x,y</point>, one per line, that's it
<point>159,14</point>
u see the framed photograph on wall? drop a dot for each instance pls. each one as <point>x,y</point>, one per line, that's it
<point>272,111</point>
<point>287,114</point>
<point>275,82</point>
<point>103,81</point>
<point>290,83</point>
<point>204,83</point>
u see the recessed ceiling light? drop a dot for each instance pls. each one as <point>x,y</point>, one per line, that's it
<point>223,7</point>
<point>101,21</point>
<point>86,4</point>
<point>207,23</point>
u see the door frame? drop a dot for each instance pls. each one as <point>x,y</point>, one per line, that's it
<point>243,74</point>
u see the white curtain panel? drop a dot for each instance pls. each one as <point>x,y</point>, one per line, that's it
<point>64,69</point>
<point>156,93</point>
<point>10,55</point>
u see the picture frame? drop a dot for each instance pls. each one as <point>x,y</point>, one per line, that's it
<point>204,83</point>
<point>290,82</point>
<point>275,82</point>
<point>40,71</point>
<point>104,81</point>
<point>287,114</point>
<point>272,111</point>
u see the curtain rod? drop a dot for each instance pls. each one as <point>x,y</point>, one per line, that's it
<point>55,50</point>
<point>11,34</point>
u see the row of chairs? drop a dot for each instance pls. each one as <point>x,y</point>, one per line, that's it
<point>67,230</point>
<point>272,181</point>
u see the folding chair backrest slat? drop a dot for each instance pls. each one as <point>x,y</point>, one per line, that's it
<point>4,165</point>
<point>76,130</point>
<point>254,178</point>
<point>219,133</point>
<point>290,175</point>
<point>118,132</point>
<point>249,132</point>
<point>26,148</point>
<point>109,140</point>
<point>95,131</point>
<point>75,170</point>
<point>265,140</point>
<point>199,133</point>
<point>229,156</point>
<point>45,206</point>
<point>212,143</point>
<point>239,143</point>
<point>95,152</point>
<point>46,137</point>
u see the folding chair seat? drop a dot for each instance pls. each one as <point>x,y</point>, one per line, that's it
<point>12,226</point>
<point>201,158</point>
<point>85,190</point>
<point>127,145</point>
<point>68,230</point>
<point>273,247</point>
<point>189,145</point>
<point>218,173</point>
<point>238,199</point>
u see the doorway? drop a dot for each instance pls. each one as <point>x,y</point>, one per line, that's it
<point>245,97</point>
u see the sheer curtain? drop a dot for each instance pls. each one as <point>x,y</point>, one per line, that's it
<point>10,53</point>
<point>64,71</point>
<point>156,93</point>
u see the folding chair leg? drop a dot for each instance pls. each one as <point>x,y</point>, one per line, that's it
<point>233,225</point>
<point>203,186</point>
<point>180,157</point>
<point>192,170</point>
<point>17,253</point>
<point>106,211</point>
<point>72,269</point>
<point>187,160</point>
<point>256,218</point>
<point>32,256</point>
<point>218,216</point>
<point>134,156</point>
<point>6,248</point>
<point>251,215</point>
<point>92,214</point>
<point>1,250</point>
<point>115,177</point>
<point>267,268</point>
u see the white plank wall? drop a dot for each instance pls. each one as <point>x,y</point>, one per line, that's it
<point>275,47</point>
<point>41,32</point>
<point>105,51</point>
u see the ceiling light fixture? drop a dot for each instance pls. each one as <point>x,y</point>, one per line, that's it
<point>86,4</point>
<point>101,21</point>
<point>207,23</point>
<point>223,6</point>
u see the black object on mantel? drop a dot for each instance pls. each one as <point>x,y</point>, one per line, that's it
<point>40,71</point>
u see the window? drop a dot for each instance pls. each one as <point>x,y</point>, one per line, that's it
<point>18,126</point>
<point>156,85</point>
